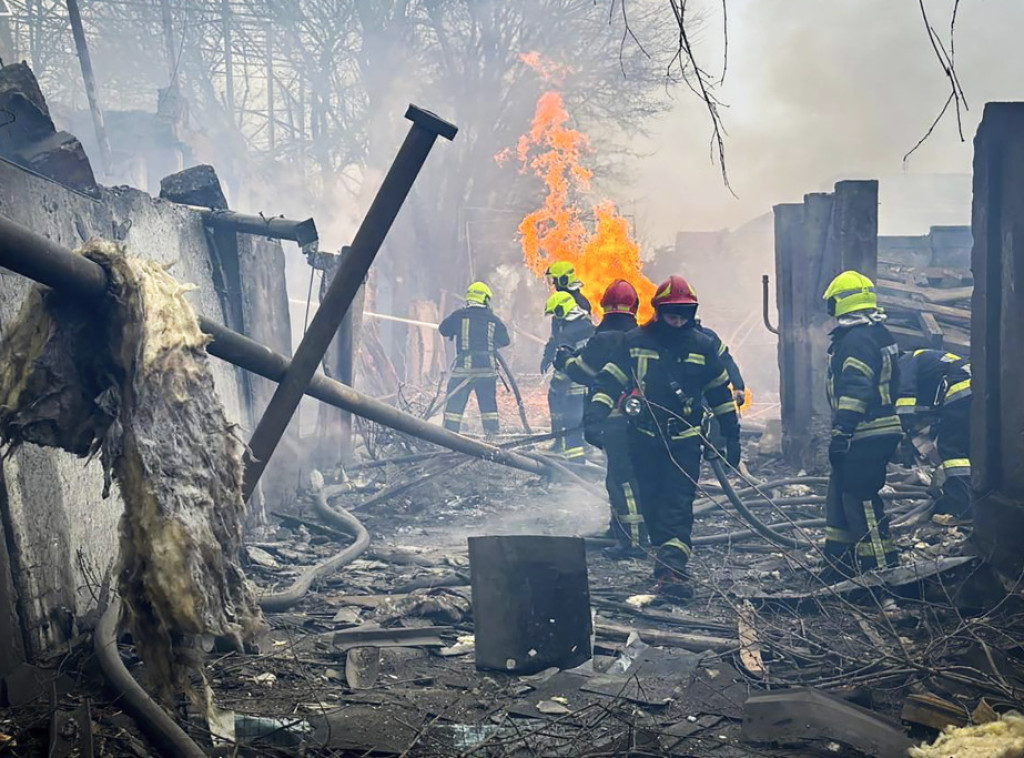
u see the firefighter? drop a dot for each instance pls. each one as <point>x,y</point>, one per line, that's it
<point>562,276</point>
<point>662,377</point>
<point>619,305</point>
<point>863,379</point>
<point>478,334</point>
<point>935,389</point>
<point>570,327</point>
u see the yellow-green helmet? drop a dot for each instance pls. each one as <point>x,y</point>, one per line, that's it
<point>562,273</point>
<point>479,293</point>
<point>849,292</point>
<point>560,305</point>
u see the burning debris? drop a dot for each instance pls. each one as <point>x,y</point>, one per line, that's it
<point>130,382</point>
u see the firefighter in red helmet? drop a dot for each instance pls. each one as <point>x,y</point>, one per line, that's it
<point>619,305</point>
<point>663,375</point>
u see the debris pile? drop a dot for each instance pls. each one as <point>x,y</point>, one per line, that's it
<point>129,379</point>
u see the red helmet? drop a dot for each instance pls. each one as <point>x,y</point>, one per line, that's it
<point>674,291</point>
<point>620,297</point>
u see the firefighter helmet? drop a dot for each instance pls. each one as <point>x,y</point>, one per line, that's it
<point>620,297</point>
<point>479,293</point>
<point>562,273</point>
<point>560,305</point>
<point>849,292</point>
<point>674,291</point>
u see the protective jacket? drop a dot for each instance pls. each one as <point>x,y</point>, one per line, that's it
<point>735,377</point>
<point>674,372</point>
<point>863,377</point>
<point>930,379</point>
<point>584,367</point>
<point>478,333</point>
<point>571,332</point>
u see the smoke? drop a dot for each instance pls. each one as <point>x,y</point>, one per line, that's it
<point>818,92</point>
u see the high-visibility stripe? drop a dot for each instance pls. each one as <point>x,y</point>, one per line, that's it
<point>903,402</point>
<point>633,519</point>
<point>696,358</point>
<point>886,378</point>
<point>616,373</point>
<point>718,381</point>
<point>724,408</point>
<point>642,352</point>
<point>958,390</point>
<point>950,358</point>
<point>867,550</point>
<point>859,365</point>
<point>693,431</point>
<point>581,365</point>
<point>834,534</point>
<point>465,334</point>
<point>874,534</point>
<point>489,416</point>
<point>490,336</point>
<point>577,389</point>
<point>600,397</point>
<point>643,358</point>
<point>851,404</point>
<point>957,467</point>
<point>678,544</point>
<point>880,427</point>
<point>721,348</point>
<point>575,452</point>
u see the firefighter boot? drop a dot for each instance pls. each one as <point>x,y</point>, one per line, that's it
<point>670,575</point>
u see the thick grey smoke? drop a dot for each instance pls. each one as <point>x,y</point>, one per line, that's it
<point>821,91</point>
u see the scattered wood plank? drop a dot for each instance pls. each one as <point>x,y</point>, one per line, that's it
<point>932,711</point>
<point>750,646</point>
<point>696,642</point>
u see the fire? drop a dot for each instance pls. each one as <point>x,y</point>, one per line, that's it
<point>600,248</point>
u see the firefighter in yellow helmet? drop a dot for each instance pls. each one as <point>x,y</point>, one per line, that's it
<point>570,327</point>
<point>478,334</point>
<point>863,379</point>
<point>562,277</point>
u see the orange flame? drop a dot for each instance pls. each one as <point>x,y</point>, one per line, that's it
<point>559,230</point>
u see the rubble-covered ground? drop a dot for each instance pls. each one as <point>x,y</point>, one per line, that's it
<point>378,658</point>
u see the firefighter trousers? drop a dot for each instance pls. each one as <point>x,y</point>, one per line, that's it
<point>627,523</point>
<point>953,440</point>
<point>459,389</point>
<point>667,474</point>
<point>566,402</point>
<point>856,526</point>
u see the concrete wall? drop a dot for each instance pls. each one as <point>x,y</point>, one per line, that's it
<point>61,537</point>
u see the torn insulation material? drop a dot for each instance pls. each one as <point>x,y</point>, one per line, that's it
<point>997,739</point>
<point>129,378</point>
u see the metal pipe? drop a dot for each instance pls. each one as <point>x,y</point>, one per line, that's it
<point>38,258</point>
<point>352,270</point>
<point>302,232</point>
<point>169,738</point>
<point>764,305</point>
<point>78,32</point>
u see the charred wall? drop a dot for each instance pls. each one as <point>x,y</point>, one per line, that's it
<point>60,536</point>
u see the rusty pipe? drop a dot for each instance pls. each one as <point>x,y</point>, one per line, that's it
<point>352,270</point>
<point>302,232</point>
<point>46,262</point>
<point>764,305</point>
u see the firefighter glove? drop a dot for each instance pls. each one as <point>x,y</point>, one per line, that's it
<point>562,354</point>
<point>740,396</point>
<point>732,451</point>
<point>545,364</point>
<point>838,448</point>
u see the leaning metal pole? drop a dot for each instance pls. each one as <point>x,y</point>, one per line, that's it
<point>43,260</point>
<point>426,128</point>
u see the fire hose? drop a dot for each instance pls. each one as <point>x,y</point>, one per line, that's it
<point>169,738</point>
<point>515,391</point>
<point>338,517</point>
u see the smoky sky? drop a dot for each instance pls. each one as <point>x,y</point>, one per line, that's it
<point>822,90</point>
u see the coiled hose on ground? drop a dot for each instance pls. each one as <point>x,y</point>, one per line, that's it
<point>336,516</point>
<point>169,738</point>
